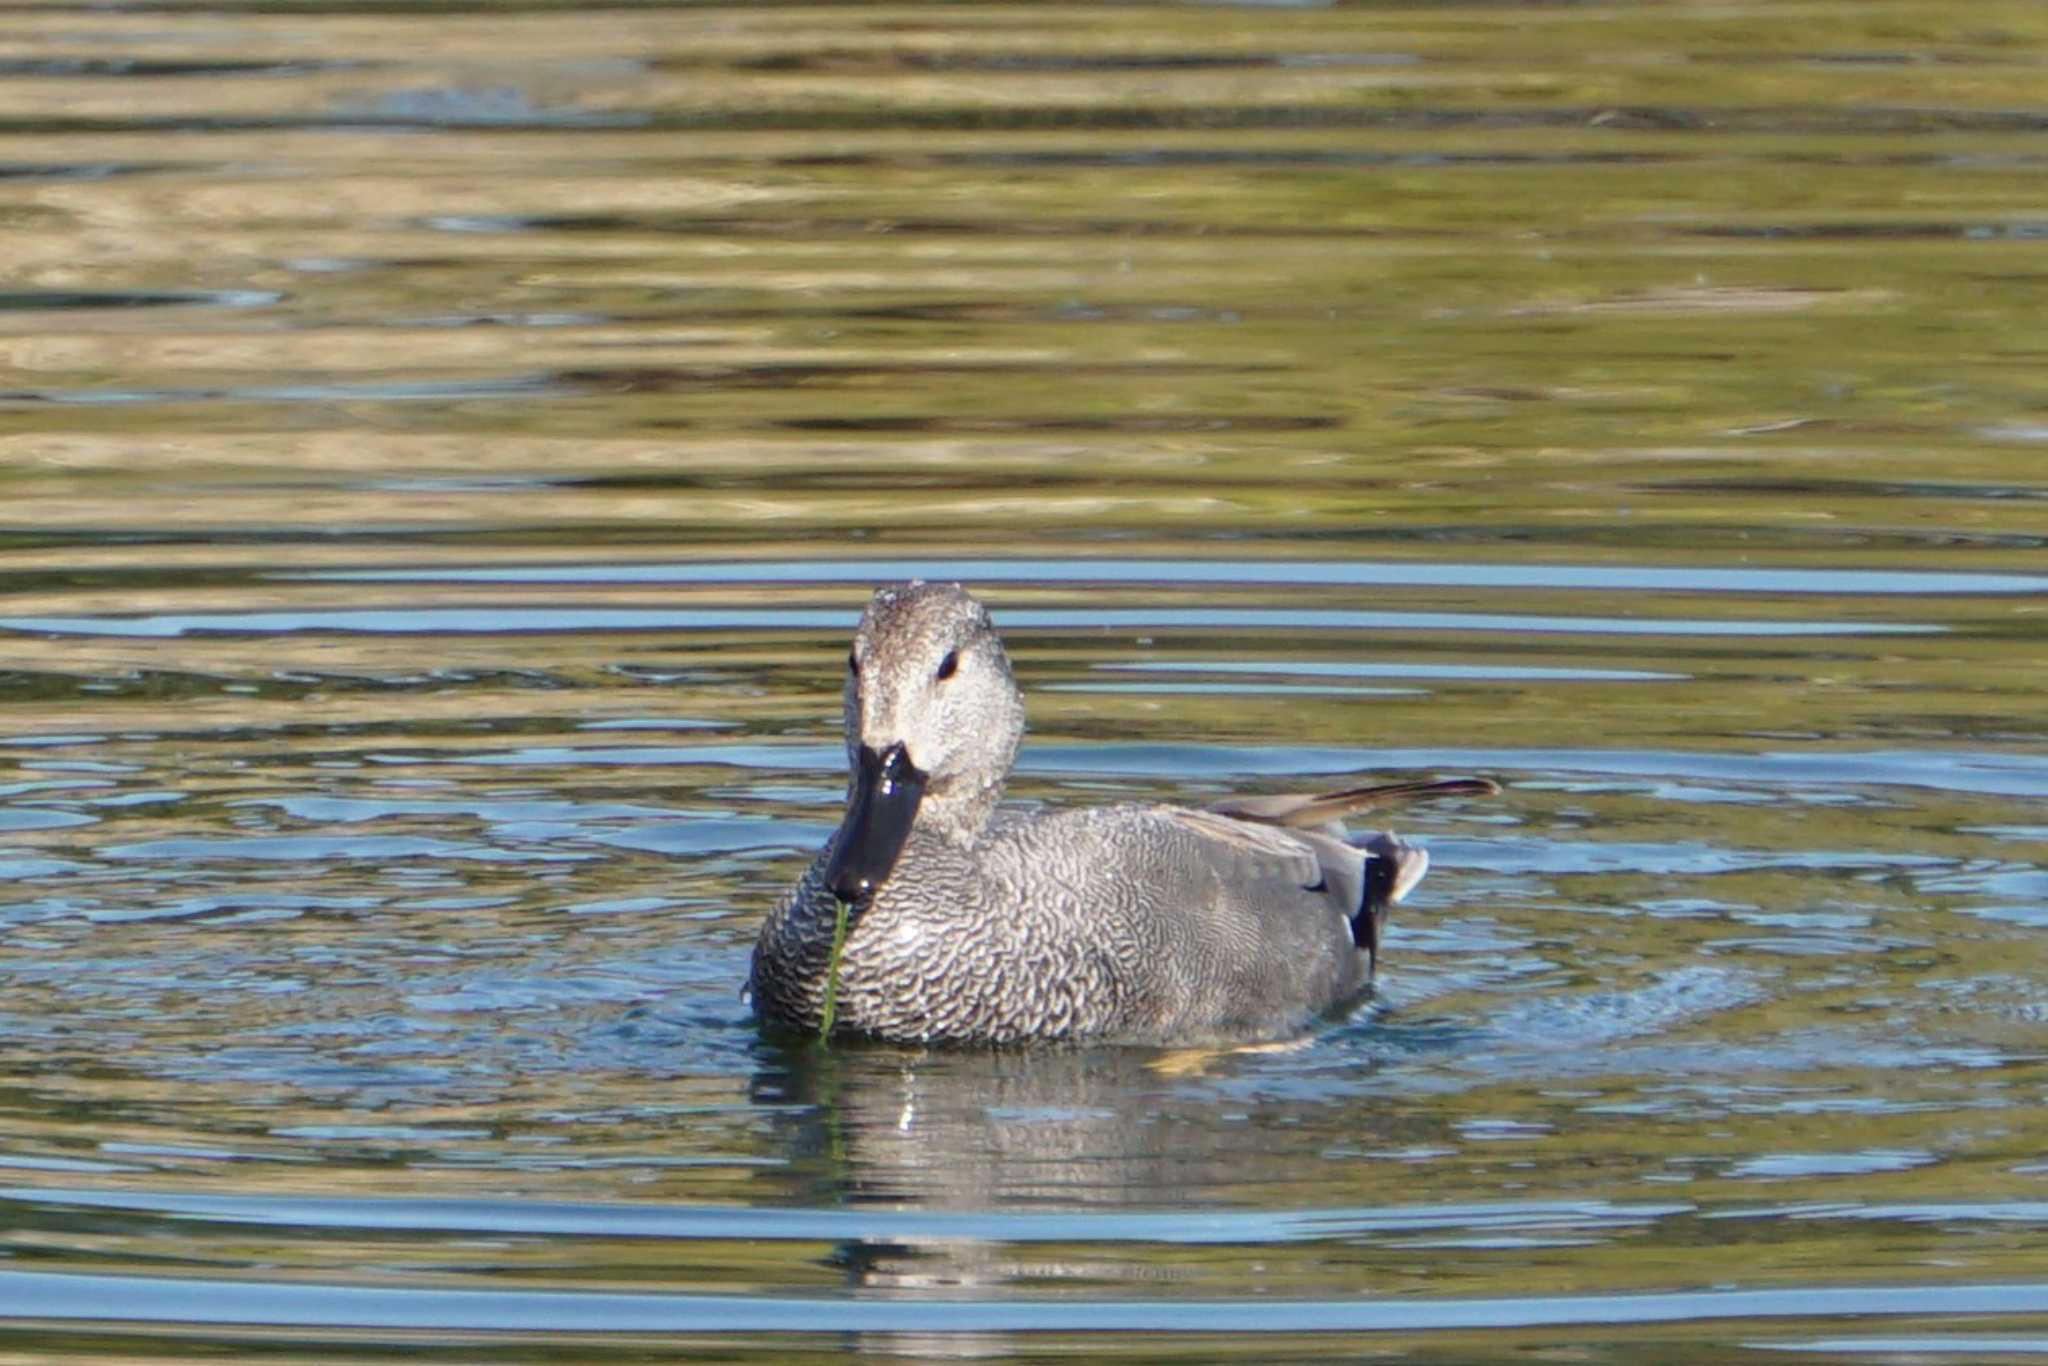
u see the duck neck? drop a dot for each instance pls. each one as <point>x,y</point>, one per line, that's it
<point>958,812</point>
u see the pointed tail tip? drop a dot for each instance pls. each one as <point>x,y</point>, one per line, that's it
<point>1467,787</point>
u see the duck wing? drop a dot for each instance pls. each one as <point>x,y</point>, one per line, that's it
<point>1319,810</point>
<point>1357,882</point>
<point>1389,867</point>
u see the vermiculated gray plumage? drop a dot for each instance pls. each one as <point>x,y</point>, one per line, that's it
<point>1136,922</point>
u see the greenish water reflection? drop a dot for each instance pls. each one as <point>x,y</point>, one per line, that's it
<point>442,450</point>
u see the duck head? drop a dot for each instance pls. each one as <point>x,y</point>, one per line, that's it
<point>933,721</point>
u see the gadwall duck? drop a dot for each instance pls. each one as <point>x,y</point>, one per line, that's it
<point>958,922</point>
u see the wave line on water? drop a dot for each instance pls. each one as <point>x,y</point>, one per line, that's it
<point>755,1223</point>
<point>130,1299</point>
<point>532,620</point>
<point>1976,771</point>
<point>1240,573</point>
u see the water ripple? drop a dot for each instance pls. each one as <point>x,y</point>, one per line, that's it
<point>648,1220</point>
<point>516,620</point>
<point>223,1302</point>
<point>1432,574</point>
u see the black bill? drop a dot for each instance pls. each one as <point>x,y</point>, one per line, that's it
<point>886,790</point>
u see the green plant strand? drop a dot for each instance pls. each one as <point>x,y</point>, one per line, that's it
<point>832,972</point>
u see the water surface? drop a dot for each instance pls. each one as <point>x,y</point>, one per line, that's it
<point>443,450</point>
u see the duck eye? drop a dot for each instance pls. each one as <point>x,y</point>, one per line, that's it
<point>949,666</point>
